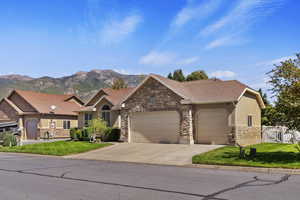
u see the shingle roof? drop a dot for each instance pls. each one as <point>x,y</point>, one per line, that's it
<point>42,102</point>
<point>205,91</point>
<point>116,96</point>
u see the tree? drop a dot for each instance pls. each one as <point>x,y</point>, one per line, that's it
<point>264,97</point>
<point>178,75</point>
<point>285,82</point>
<point>98,126</point>
<point>197,75</point>
<point>118,84</point>
<point>170,76</point>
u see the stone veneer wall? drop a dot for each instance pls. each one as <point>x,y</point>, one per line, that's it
<point>154,96</point>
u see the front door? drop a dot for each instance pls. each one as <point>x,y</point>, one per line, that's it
<point>32,129</point>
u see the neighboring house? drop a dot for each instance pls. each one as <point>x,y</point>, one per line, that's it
<point>212,111</point>
<point>6,124</point>
<point>40,115</point>
<point>102,106</point>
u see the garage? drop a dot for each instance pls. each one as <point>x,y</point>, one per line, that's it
<point>155,127</point>
<point>212,126</point>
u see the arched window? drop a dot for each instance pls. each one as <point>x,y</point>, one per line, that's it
<point>105,113</point>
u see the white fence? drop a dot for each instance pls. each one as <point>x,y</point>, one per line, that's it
<point>279,134</point>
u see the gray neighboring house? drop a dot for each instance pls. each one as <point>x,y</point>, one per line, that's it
<point>160,110</point>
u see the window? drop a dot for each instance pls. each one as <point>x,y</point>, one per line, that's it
<point>250,121</point>
<point>105,114</point>
<point>67,124</point>
<point>87,118</point>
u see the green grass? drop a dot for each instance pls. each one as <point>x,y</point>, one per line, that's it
<point>268,155</point>
<point>60,148</point>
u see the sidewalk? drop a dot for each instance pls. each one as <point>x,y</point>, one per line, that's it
<point>249,169</point>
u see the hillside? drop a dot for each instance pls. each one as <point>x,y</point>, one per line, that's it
<point>83,84</point>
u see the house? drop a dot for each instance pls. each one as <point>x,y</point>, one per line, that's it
<point>212,111</point>
<point>40,115</point>
<point>6,124</point>
<point>160,110</point>
<point>102,105</point>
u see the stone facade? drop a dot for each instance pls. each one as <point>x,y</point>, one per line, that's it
<point>154,96</point>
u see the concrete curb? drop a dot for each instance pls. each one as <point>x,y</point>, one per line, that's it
<point>248,169</point>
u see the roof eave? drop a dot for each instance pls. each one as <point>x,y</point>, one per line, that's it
<point>208,102</point>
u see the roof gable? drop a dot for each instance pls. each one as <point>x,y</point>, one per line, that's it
<point>95,98</point>
<point>41,102</point>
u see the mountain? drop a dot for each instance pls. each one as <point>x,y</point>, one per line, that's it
<point>83,84</point>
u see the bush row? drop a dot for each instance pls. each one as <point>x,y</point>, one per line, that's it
<point>85,134</point>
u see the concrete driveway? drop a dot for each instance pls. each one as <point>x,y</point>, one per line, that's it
<point>166,154</point>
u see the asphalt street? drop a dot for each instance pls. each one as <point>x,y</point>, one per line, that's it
<point>44,178</point>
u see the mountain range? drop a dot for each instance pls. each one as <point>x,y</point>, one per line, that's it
<point>83,84</point>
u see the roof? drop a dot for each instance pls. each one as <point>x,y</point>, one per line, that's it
<point>114,96</point>
<point>205,91</point>
<point>8,124</point>
<point>117,96</point>
<point>42,102</point>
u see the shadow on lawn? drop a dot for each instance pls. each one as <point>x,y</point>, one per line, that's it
<point>268,157</point>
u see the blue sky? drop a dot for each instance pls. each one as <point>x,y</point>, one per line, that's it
<point>236,39</point>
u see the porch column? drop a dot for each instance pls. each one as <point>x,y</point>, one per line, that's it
<point>186,125</point>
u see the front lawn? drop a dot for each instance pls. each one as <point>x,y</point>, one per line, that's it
<point>60,148</point>
<point>268,155</point>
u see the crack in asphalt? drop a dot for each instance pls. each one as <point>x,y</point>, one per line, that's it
<point>249,184</point>
<point>213,196</point>
<point>62,176</point>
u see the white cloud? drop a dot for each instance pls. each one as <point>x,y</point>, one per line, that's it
<point>158,58</point>
<point>238,20</point>
<point>117,30</point>
<point>223,74</point>
<point>275,61</point>
<point>218,42</point>
<point>188,61</point>
<point>126,72</point>
<point>243,14</point>
<point>263,84</point>
<point>166,58</point>
<point>192,12</point>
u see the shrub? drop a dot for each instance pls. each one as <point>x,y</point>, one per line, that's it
<point>79,134</point>
<point>9,140</point>
<point>111,135</point>
<point>86,134</point>
<point>73,135</point>
<point>98,127</point>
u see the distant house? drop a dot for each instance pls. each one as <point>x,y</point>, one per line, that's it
<point>102,105</point>
<point>7,124</point>
<point>39,115</point>
<point>160,110</point>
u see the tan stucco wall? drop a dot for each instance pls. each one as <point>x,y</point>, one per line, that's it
<point>245,135</point>
<point>44,125</point>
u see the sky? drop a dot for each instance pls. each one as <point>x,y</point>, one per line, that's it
<point>229,39</point>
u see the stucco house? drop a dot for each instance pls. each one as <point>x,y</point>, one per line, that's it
<point>102,105</point>
<point>39,115</point>
<point>160,110</point>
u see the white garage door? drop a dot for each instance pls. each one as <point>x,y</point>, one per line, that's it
<point>212,126</point>
<point>155,127</point>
